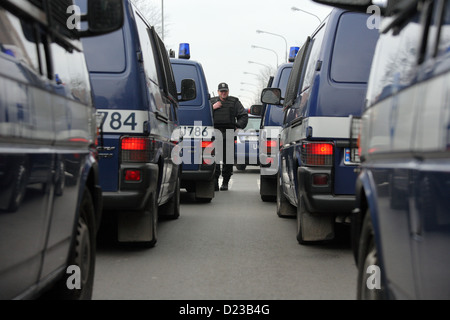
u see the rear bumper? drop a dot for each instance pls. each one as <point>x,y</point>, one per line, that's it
<point>132,195</point>
<point>205,173</point>
<point>320,198</point>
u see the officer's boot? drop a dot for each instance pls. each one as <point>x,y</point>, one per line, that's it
<point>224,186</point>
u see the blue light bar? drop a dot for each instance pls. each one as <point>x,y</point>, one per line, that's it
<point>185,51</point>
<point>293,53</point>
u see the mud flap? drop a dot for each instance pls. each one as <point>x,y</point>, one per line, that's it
<point>317,227</point>
<point>204,189</point>
<point>135,226</point>
<point>268,186</point>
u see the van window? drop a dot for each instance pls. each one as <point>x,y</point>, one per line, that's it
<point>316,44</point>
<point>253,124</point>
<point>106,56</point>
<point>147,49</point>
<point>17,41</point>
<point>284,77</point>
<point>349,65</point>
<point>187,71</point>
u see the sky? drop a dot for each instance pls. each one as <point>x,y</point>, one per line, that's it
<point>221,35</point>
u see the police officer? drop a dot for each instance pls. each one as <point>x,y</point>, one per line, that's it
<point>229,114</point>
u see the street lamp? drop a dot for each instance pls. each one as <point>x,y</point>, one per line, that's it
<point>258,47</point>
<point>278,35</point>
<point>261,64</point>
<point>297,9</point>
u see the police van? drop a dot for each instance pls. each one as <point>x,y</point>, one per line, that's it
<point>137,103</point>
<point>196,129</point>
<point>401,224</point>
<point>327,84</point>
<point>50,199</point>
<point>271,121</point>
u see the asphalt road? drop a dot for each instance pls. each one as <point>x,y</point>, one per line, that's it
<point>234,248</point>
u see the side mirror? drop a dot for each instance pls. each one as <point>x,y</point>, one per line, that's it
<point>256,110</point>
<point>188,90</point>
<point>103,16</point>
<point>271,96</point>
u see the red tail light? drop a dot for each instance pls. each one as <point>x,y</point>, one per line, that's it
<point>317,154</point>
<point>207,152</point>
<point>132,175</point>
<point>134,143</point>
<point>271,144</point>
<point>135,149</point>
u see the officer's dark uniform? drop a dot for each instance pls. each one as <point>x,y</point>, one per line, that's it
<point>232,115</point>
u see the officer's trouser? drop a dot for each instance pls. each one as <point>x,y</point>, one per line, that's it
<point>226,168</point>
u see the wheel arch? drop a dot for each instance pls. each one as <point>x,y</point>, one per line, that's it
<point>366,196</point>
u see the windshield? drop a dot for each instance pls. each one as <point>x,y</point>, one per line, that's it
<point>253,124</point>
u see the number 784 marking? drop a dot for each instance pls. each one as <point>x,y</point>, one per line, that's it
<point>122,121</point>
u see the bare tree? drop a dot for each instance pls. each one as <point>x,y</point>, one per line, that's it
<point>152,13</point>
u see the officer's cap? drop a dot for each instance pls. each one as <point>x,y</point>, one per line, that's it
<point>223,87</point>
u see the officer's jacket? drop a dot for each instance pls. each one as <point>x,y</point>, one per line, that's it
<point>231,115</point>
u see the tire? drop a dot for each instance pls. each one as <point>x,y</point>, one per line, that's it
<point>368,255</point>
<point>171,209</point>
<point>284,207</point>
<point>82,254</point>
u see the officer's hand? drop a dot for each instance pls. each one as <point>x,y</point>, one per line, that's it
<point>217,105</point>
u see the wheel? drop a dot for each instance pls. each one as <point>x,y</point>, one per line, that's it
<point>82,256</point>
<point>171,209</point>
<point>284,207</point>
<point>368,258</point>
<point>241,167</point>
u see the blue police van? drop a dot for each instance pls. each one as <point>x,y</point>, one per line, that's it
<point>327,84</point>
<point>401,224</point>
<point>196,129</point>
<point>137,102</point>
<point>272,117</point>
<point>50,198</point>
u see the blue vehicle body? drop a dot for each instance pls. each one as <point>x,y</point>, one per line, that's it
<point>197,128</point>
<point>137,103</point>
<point>401,224</point>
<point>50,198</point>
<point>271,123</point>
<point>316,181</point>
